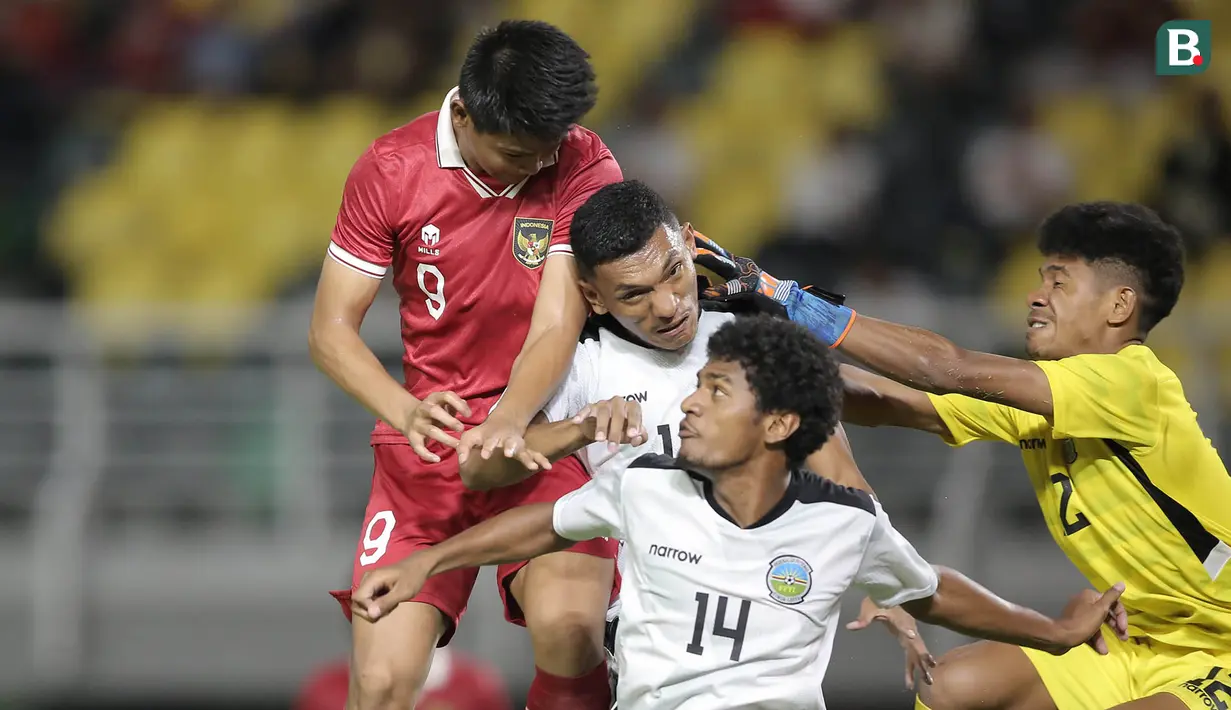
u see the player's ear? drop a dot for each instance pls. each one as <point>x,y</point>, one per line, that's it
<point>457,111</point>
<point>779,426</point>
<point>690,239</point>
<point>591,295</point>
<point>1123,304</point>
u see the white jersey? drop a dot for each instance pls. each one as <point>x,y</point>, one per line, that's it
<point>608,364</point>
<point>719,617</point>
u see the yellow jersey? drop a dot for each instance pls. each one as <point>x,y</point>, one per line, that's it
<point>1131,488</point>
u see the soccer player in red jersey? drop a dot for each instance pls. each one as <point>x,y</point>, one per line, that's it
<point>455,682</point>
<point>469,208</point>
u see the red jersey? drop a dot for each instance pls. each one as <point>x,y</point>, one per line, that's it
<point>454,682</point>
<point>466,258</point>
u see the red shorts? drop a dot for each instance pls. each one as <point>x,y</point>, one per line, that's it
<point>415,504</point>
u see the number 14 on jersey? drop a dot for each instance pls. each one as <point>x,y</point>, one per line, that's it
<point>735,633</point>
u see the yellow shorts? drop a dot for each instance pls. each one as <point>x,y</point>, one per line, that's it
<point>1138,668</point>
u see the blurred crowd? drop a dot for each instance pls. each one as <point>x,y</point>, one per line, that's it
<point>899,146</point>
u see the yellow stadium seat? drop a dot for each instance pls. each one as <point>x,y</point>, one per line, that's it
<point>96,215</point>
<point>1087,129</point>
<point>1018,277</point>
<point>842,79</point>
<point>334,136</point>
<point>1152,129</point>
<point>756,71</point>
<point>253,144</point>
<point>165,146</point>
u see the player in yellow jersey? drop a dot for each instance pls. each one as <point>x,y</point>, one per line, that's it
<point>1130,486</point>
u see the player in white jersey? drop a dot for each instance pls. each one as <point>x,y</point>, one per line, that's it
<point>634,368</point>
<point>639,355</point>
<point>738,556</point>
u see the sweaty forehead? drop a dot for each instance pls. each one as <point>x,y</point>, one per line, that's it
<point>645,266</point>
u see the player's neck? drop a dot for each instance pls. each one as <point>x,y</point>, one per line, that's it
<point>750,491</point>
<point>467,152</point>
<point>1114,342</point>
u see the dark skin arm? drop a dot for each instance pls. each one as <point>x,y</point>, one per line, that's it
<point>521,533</point>
<point>932,363</point>
<point>872,400</point>
<point>836,461</point>
<point>554,440</point>
<point>963,606</point>
<point>616,421</point>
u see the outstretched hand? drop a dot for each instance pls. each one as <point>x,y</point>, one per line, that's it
<point>902,626</point>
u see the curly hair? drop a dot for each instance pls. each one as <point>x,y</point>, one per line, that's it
<point>526,78</point>
<point>617,221</point>
<point>1127,236</point>
<point>789,370</point>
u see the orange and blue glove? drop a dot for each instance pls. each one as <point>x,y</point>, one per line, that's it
<point>821,312</point>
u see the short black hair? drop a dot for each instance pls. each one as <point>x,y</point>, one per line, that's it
<point>616,221</point>
<point>789,370</point>
<point>526,78</point>
<point>1126,235</point>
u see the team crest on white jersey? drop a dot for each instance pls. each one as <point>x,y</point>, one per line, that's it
<point>789,579</point>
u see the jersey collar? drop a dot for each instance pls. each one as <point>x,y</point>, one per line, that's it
<point>449,155</point>
<point>780,508</point>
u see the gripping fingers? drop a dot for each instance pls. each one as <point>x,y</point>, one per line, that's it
<point>601,416</point>
<point>440,415</point>
<point>1118,619</point>
<point>490,445</point>
<point>615,429</point>
<point>636,433</point>
<point>417,445</point>
<point>456,403</point>
<point>533,460</point>
<point>435,433</point>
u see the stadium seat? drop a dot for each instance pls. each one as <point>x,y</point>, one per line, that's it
<point>1094,132</point>
<point>737,194</point>
<point>1017,277</point>
<point>855,95</point>
<point>1086,129</point>
<point>1208,295</point>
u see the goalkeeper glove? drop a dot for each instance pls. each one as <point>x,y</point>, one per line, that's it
<point>822,312</point>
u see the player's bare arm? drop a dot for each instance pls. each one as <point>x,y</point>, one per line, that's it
<point>932,363</point>
<point>962,605</point>
<point>559,314</point>
<point>871,400</point>
<point>343,297</point>
<point>912,356</point>
<point>836,461</point>
<point>522,533</point>
<point>616,421</point>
